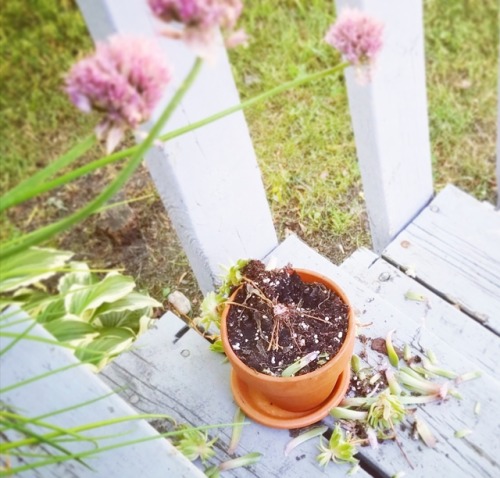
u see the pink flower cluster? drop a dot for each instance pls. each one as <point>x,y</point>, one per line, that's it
<point>200,20</point>
<point>357,36</point>
<point>124,80</point>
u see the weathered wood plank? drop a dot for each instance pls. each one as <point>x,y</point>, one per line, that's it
<point>434,313</point>
<point>209,179</point>
<point>390,122</point>
<point>156,458</point>
<point>182,377</point>
<point>453,247</point>
<point>477,454</point>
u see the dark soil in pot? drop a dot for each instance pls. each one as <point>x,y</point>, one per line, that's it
<point>277,319</point>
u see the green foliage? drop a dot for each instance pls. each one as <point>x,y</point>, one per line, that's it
<point>386,412</point>
<point>338,449</point>
<point>194,444</point>
<point>101,317</point>
<point>213,302</point>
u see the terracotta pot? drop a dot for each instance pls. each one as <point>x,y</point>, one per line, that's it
<point>293,402</point>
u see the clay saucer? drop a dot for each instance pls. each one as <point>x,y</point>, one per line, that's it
<point>262,410</point>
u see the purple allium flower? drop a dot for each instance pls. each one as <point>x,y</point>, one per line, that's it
<point>200,20</point>
<point>124,80</point>
<point>357,36</point>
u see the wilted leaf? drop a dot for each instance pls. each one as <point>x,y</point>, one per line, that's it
<point>425,433</point>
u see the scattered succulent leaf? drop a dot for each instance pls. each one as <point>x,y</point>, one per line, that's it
<point>371,434</point>
<point>195,444</point>
<point>239,418</point>
<point>399,474</point>
<point>303,437</point>
<point>386,411</point>
<point>425,433</point>
<point>462,433</point>
<point>212,472</point>
<point>416,296</point>
<point>217,346</point>
<point>468,376</point>
<point>375,378</point>
<point>298,365</point>
<point>338,449</point>
<point>391,353</point>
<point>394,386</point>
<point>477,408</point>
<point>353,470</point>
<point>342,413</point>
<point>245,460</point>
<point>432,357</point>
<point>355,363</point>
<point>434,369</point>
<point>407,353</point>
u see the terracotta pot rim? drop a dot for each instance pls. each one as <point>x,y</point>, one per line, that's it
<point>351,330</point>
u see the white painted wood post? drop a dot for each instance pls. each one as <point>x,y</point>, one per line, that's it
<point>390,121</point>
<point>209,179</point>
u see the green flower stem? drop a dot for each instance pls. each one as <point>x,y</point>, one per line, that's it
<point>22,383</point>
<point>8,416</point>
<point>44,340</point>
<point>119,155</point>
<point>75,174</point>
<point>41,439</point>
<point>18,338</point>
<point>256,99</point>
<point>25,189</point>
<point>75,430</point>
<point>49,231</point>
<point>58,459</point>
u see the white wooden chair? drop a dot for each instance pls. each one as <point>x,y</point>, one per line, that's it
<point>207,174</point>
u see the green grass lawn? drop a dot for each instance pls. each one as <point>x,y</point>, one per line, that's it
<point>303,138</point>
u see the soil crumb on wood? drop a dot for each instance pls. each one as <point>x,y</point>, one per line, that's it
<point>281,319</point>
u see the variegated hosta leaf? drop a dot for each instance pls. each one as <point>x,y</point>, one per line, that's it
<point>72,331</point>
<point>128,319</point>
<point>51,308</point>
<point>80,274</point>
<point>84,298</point>
<point>133,301</point>
<point>107,345</point>
<point>30,266</point>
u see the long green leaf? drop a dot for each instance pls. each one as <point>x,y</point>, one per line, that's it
<point>17,338</point>
<point>120,155</point>
<point>59,459</point>
<point>25,189</point>
<point>51,230</point>
<point>22,383</point>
